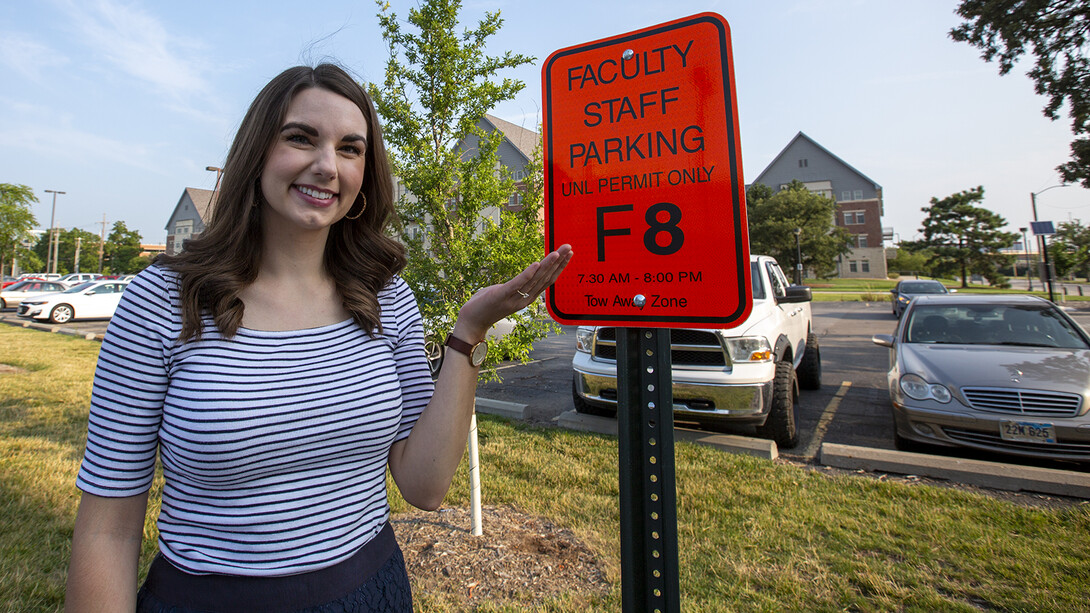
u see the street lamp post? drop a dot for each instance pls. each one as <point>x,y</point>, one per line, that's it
<point>1041,245</point>
<point>798,256</point>
<point>50,257</point>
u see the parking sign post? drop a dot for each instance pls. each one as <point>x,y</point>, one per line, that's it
<point>648,497</point>
<point>643,178</point>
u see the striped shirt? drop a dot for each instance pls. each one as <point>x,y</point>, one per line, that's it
<point>273,444</point>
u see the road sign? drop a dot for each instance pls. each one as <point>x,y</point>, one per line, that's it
<point>643,177</point>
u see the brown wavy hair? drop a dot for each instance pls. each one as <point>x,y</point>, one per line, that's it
<point>224,259</point>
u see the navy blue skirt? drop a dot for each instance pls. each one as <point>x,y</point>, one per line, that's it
<point>374,579</point>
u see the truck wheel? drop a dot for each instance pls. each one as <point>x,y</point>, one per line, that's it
<point>586,408</point>
<point>782,423</point>
<point>61,314</point>
<point>809,371</point>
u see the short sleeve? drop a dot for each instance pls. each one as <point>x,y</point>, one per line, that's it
<point>417,385</point>
<point>130,384</point>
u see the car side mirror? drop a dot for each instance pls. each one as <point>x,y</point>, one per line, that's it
<point>797,293</point>
<point>885,340</point>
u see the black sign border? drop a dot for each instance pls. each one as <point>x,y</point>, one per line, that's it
<point>732,138</point>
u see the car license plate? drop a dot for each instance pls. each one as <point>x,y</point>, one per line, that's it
<point>1027,432</point>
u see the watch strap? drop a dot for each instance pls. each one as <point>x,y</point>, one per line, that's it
<point>463,347</point>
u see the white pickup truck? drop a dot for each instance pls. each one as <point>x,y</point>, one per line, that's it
<point>748,375</point>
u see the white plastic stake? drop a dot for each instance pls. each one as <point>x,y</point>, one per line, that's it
<point>474,479</point>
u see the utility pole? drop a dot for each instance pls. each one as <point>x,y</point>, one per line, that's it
<point>75,263</point>
<point>52,222</point>
<point>101,243</point>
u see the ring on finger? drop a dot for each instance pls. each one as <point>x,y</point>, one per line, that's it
<point>522,293</point>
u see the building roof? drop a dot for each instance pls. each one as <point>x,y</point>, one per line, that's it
<point>801,135</point>
<point>202,199</point>
<point>524,140</point>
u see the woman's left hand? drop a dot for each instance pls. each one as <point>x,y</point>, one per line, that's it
<point>495,302</point>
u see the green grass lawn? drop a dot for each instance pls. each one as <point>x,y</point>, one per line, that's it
<point>755,535</point>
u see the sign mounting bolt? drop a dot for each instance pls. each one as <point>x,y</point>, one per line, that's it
<point>639,300</point>
<point>627,54</point>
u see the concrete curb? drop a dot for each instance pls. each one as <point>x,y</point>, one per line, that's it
<point>25,323</point>
<point>512,410</point>
<point>1008,477</point>
<point>745,445</point>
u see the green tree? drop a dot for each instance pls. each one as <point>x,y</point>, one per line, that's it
<point>68,243</point>
<point>910,260</point>
<point>453,217</point>
<point>121,253</point>
<point>773,218</point>
<point>16,221</point>
<point>1069,249</point>
<point>1056,33</point>
<point>964,238</point>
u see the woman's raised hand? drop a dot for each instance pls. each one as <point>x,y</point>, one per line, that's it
<point>495,302</point>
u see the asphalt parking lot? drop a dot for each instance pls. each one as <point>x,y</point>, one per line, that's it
<point>851,409</point>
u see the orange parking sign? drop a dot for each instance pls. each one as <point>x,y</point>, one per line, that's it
<point>643,177</point>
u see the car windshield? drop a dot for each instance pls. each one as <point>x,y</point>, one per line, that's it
<point>755,277</point>
<point>992,324</point>
<point>75,289</point>
<point>923,288</point>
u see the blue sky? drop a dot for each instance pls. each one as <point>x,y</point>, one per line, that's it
<point>122,104</point>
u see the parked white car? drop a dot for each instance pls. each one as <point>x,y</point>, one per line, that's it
<point>76,278</point>
<point>29,289</point>
<point>92,300</point>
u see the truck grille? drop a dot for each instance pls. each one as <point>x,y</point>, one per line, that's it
<point>687,347</point>
<point>1022,402</point>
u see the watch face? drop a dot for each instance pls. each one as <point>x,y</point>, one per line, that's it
<point>479,351</point>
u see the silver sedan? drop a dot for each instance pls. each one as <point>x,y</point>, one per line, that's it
<point>1009,374</point>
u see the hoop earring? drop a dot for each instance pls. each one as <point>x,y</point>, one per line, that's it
<point>362,209</point>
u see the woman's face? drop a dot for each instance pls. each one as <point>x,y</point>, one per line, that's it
<point>315,166</point>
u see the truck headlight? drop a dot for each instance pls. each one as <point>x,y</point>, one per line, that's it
<point>584,338</point>
<point>749,349</point>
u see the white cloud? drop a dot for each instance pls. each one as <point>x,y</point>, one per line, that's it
<point>139,45</point>
<point>27,56</point>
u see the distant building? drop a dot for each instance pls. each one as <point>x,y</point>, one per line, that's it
<point>858,199</point>
<point>151,250</point>
<point>188,219</point>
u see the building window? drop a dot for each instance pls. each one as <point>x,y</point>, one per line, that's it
<point>866,266</point>
<point>853,218</point>
<point>853,266</point>
<point>861,241</point>
<point>803,163</point>
<point>859,195</point>
<point>845,195</point>
<point>859,217</point>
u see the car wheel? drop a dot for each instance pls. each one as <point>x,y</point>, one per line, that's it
<point>62,313</point>
<point>809,371</point>
<point>586,408</point>
<point>782,423</point>
<point>3,303</point>
<point>434,352</point>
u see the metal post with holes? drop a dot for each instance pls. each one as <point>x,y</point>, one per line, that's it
<point>648,498</point>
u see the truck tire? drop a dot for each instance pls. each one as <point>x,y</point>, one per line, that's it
<point>782,423</point>
<point>809,371</point>
<point>585,408</point>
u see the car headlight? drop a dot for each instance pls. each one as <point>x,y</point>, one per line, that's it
<point>903,299</point>
<point>33,302</point>
<point>749,349</point>
<point>918,389</point>
<point>584,337</point>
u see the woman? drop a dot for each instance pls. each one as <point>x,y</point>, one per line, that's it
<point>277,366</point>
